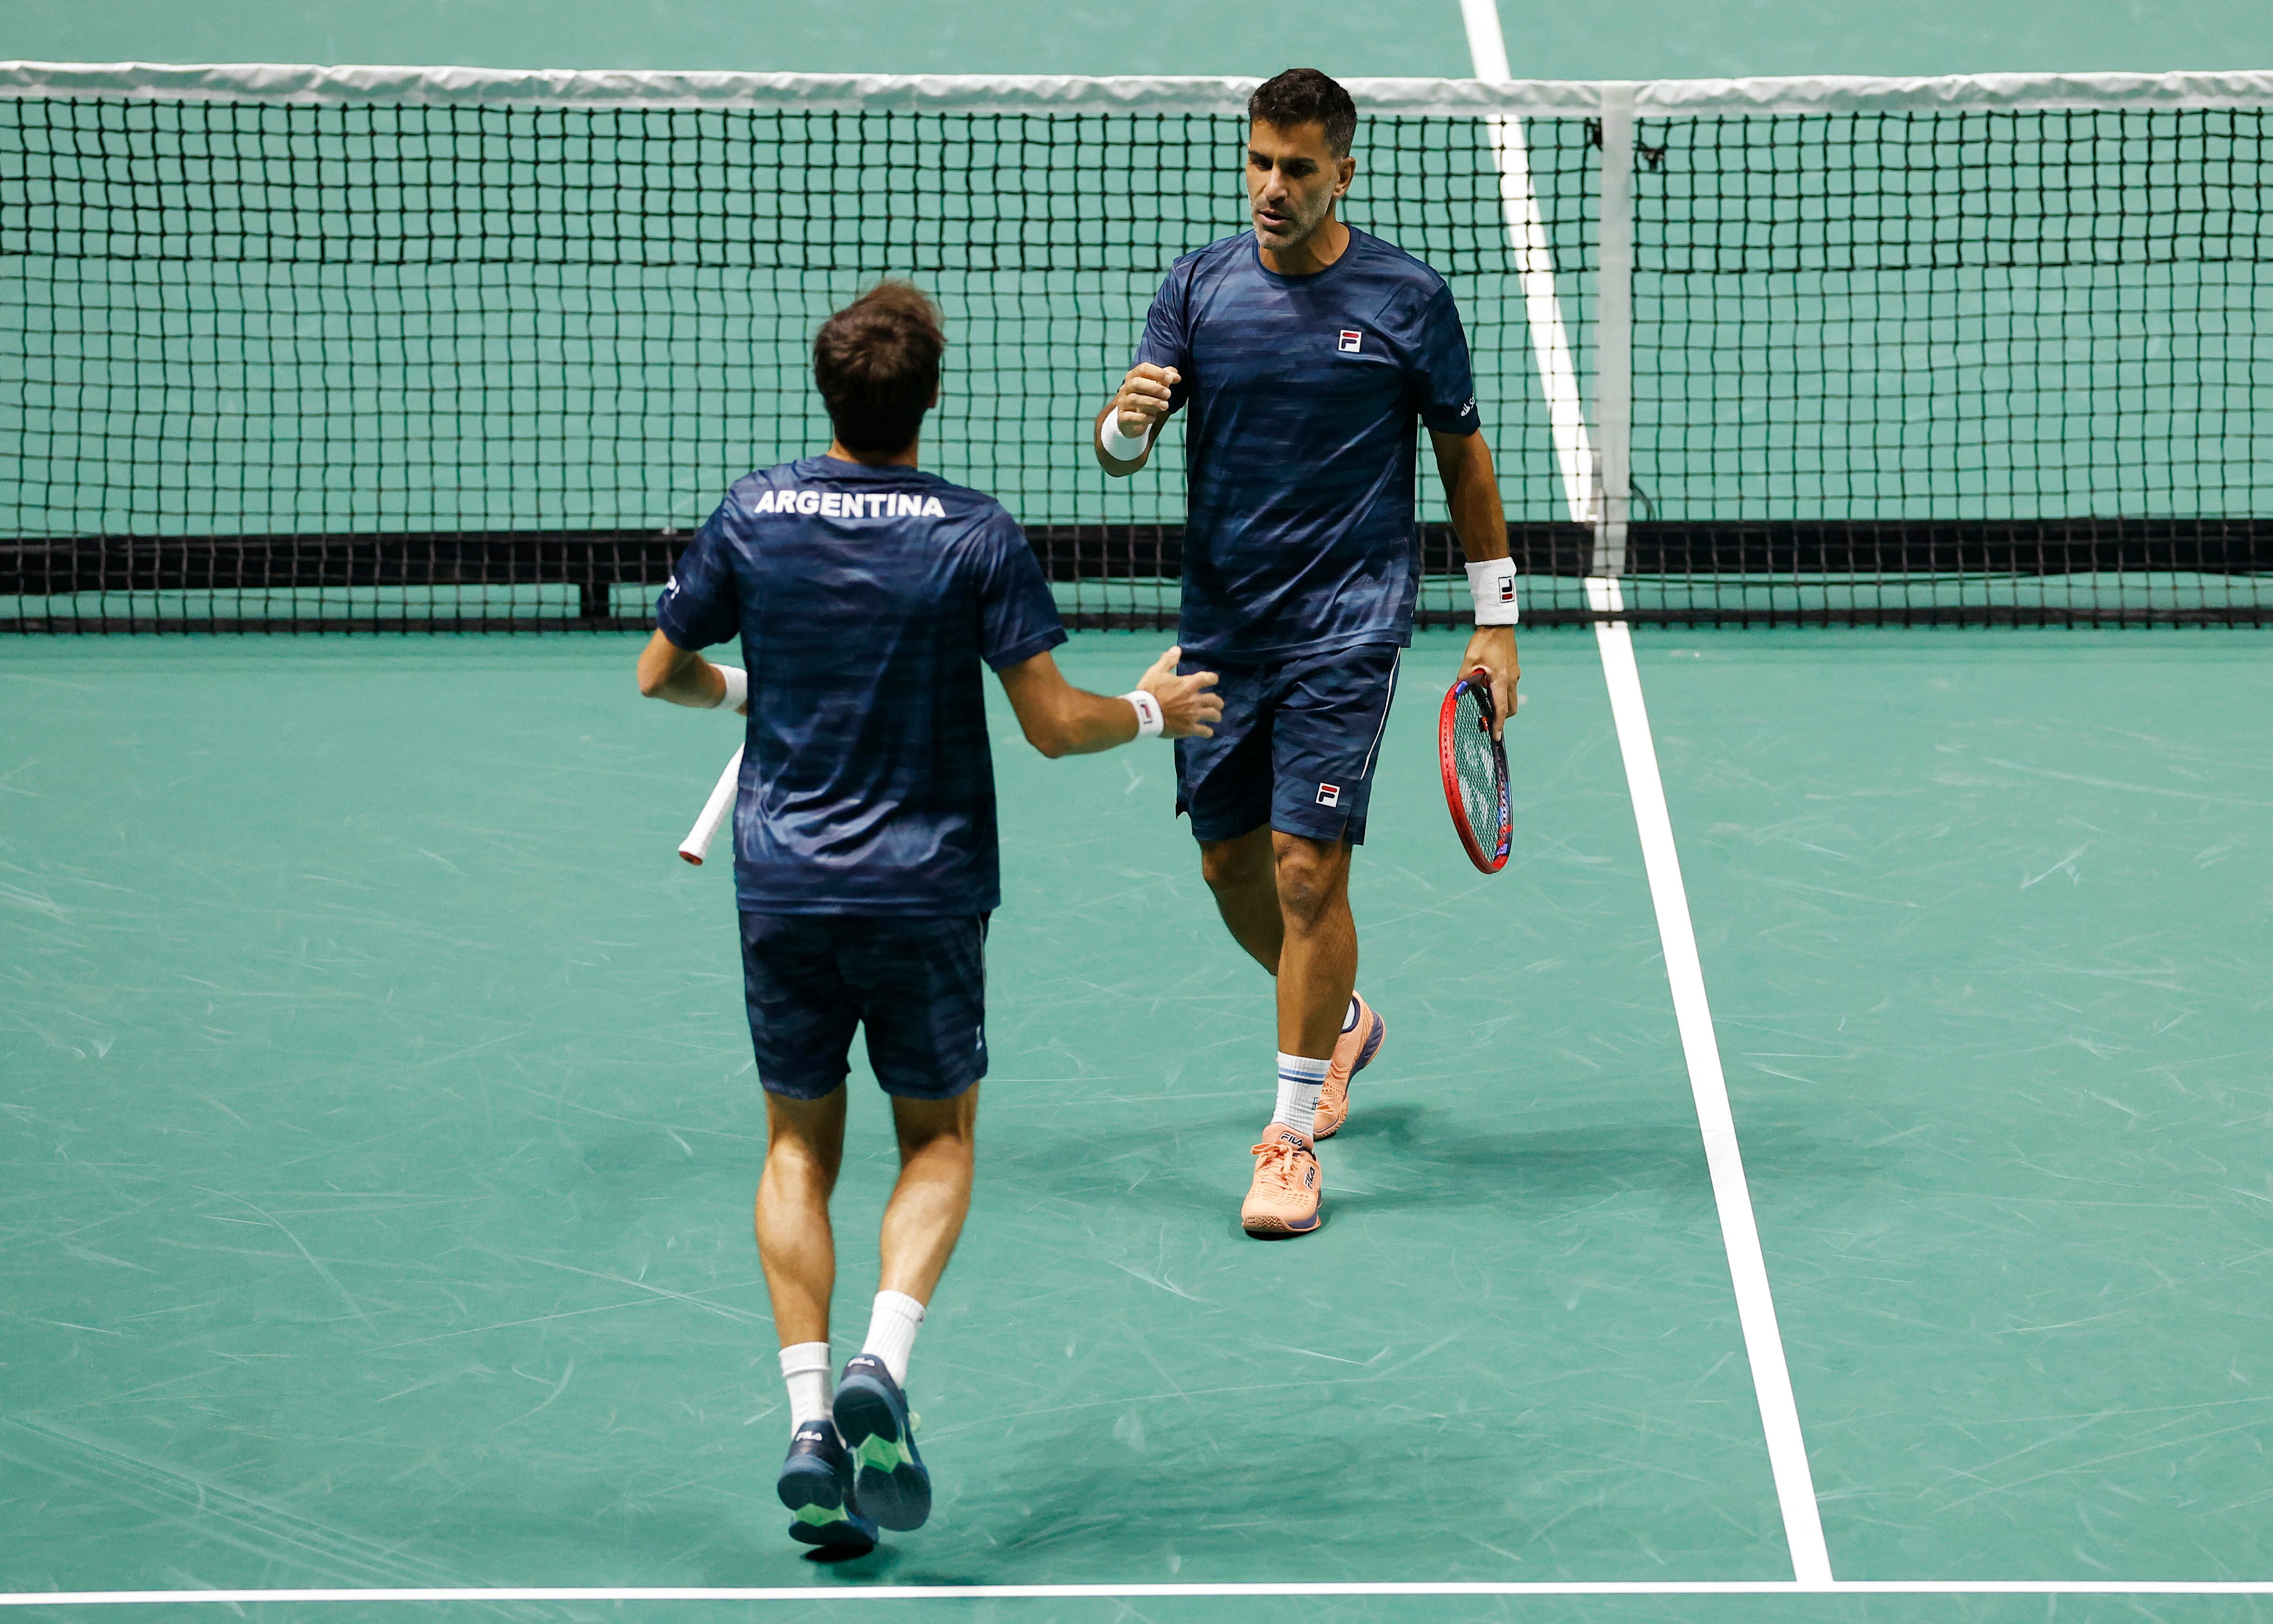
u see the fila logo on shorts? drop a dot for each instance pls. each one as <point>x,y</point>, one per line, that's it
<point>851,504</point>
<point>1329,794</point>
<point>1351,340</point>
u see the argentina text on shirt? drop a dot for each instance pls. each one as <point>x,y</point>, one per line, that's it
<point>851,504</point>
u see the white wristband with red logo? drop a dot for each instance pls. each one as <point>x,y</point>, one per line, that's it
<point>1491,584</point>
<point>1150,717</point>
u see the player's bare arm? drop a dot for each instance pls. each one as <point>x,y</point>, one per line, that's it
<point>682,677</point>
<point>1059,719</point>
<point>1138,409</point>
<point>1463,461</point>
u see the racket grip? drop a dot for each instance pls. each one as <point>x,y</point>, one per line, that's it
<point>716,811</point>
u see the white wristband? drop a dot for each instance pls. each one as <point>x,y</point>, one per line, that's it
<point>1118,446</point>
<point>1150,717</point>
<point>1491,585</point>
<point>737,687</point>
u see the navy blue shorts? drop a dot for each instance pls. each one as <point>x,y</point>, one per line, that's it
<point>918,986</point>
<point>1296,748</point>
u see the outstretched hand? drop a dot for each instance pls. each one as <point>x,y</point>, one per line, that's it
<point>1186,705</point>
<point>1493,649</point>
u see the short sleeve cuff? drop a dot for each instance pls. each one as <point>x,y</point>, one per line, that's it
<point>1025,650</point>
<point>673,625</point>
<point>1467,419</point>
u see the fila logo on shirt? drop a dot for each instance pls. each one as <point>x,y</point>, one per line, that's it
<point>1329,794</point>
<point>851,504</point>
<point>1351,339</point>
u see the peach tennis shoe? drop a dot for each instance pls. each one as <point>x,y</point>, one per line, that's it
<point>1353,1052</point>
<point>1284,1199</point>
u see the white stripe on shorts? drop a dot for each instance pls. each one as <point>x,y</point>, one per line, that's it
<point>1388,699</point>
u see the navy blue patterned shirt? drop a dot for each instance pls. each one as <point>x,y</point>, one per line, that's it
<point>865,598</point>
<point>1300,442</point>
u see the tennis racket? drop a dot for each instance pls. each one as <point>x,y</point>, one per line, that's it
<point>1475,772</point>
<point>716,811</point>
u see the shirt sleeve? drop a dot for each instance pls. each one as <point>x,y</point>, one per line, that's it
<point>1166,339</point>
<point>1444,388</point>
<point>702,604</point>
<point>1017,613</point>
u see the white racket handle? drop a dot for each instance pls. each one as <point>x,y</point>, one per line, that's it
<point>716,811</point>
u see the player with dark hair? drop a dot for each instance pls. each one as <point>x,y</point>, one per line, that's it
<point>1306,351</point>
<point>866,593</point>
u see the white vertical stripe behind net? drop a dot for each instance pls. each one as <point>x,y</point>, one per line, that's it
<point>1543,306</point>
<point>1756,1316</point>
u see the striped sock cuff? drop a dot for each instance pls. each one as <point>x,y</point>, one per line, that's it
<point>1300,1079</point>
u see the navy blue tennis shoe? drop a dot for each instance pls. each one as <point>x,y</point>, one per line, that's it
<point>816,1485</point>
<point>872,1414</point>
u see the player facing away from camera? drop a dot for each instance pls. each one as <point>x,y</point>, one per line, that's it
<point>1303,352</point>
<point>866,594</point>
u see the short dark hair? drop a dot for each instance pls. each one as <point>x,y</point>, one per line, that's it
<point>1306,96</point>
<point>876,363</point>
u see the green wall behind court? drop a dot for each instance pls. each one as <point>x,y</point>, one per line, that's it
<point>1644,38</point>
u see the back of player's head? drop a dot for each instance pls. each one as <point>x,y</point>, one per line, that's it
<point>876,363</point>
<point>1306,96</point>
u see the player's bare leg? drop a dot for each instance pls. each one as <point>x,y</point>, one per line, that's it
<point>933,1197</point>
<point>1317,955</point>
<point>1284,898</point>
<point>921,1223</point>
<point>1243,876</point>
<point>805,1148</point>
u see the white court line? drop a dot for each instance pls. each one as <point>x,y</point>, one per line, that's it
<point>1795,1485</point>
<point>1543,306</point>
<point>802,1593</point>
<point>1748,1272</point>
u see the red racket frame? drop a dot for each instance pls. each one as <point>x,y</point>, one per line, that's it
<point>1447,763</point>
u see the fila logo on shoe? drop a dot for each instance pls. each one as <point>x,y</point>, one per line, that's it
<point>1350,340</point>
<point>1329,794</point>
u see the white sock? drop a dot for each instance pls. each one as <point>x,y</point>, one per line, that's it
<point>812,1383</point>
<point>1299,1083</point>
<point>892,1327</point>
<point>1349,1020</point>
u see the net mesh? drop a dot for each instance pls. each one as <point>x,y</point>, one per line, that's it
<point>426,364</point>
<point>1954,365</point>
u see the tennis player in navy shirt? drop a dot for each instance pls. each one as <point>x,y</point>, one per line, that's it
<point>866,595</point>
<point>1306,355</point>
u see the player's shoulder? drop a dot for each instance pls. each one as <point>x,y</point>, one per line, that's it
<point>1224,249</point>
<point>1382,258</point>
<point>750,494</point>
<point>1212,259</point>
<point>969,504</point>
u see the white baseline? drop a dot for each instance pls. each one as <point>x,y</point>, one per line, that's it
<point>809,1593</point>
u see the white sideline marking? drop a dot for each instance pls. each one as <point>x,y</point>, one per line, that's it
<point>1795,1485</point>
<point>1165,1592</point>
<point>1542,308</point>
<point>1558,380</point>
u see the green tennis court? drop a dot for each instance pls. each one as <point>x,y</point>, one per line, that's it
<point>381,1132</point>
<point>377,1110</point>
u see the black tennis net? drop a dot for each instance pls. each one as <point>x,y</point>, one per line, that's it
<point>306,351</point>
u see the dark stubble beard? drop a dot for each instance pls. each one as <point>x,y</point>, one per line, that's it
<point>1305,227</point>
